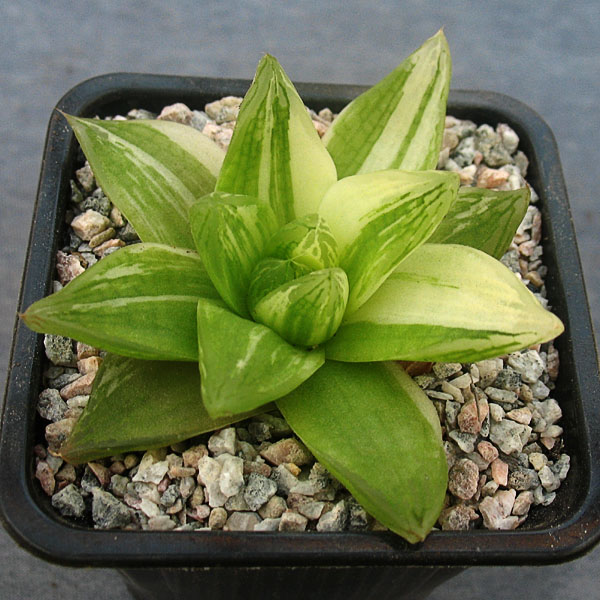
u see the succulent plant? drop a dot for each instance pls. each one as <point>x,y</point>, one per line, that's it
<point>298,271</point>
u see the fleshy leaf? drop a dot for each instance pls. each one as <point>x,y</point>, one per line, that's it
<point>445,303</point>
<point>230,232</point>
<point>483,219</point>
<point>276,154</point>
<point>306,311</point>
<point>141,404</point>
<point>307,240</point>
<point>398,123</point>
<point>243,364</point>
<point>375,430</point>
<point>139,302</point>
<point>152,171</point>
<point>380,218</point>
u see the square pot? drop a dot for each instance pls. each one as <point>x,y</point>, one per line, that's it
<point>564,530</point>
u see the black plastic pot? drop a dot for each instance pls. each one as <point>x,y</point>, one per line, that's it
<point>350,565</point>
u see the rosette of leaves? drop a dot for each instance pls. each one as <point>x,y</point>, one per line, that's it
<point>298,271</point>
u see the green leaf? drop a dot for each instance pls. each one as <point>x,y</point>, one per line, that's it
<point>306,311</point>
<point>231,232</point>
<point>380,218</point>
<point>276,154</point>
<point>374,429</point>
<point>307,240</point>
<point>445,303</point>
<point>152,171</point>
<point>140,302</point>
<point>398,123</point>
<point>141,404</point>
<point>243,364</point>
<point>483,219</point>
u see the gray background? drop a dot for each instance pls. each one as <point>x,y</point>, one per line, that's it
<point>545,54</point>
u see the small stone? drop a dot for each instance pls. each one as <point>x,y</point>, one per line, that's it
<point>335,519</point>
<point>435,395</point>
<point>81,386</point>
<point>489,489</point>
<point>57,433</point>
<point>544,499</point>
<point>192,455</point>
<point>496,412</point>
<point>118,485</point>
<point>457,518</point>
<point>51,406</point>
<point>508,379</point>
<point>101,237</point>
<point>150,470</point>
<point>149,508</point>
<point>224,110</point>
<point>456,394</point>
<point>215,496</point>
<point>187,485</point>
<point>523,502</point>
<point>529,364</point>
<point>358,519</point>
<point>202,512</point>
<point>68,267</point>
<point>85,177</point>
<point>520,415</point>
<point>445,370</point>
<point>538,460</point>
<point>523,479</point>
<point>468,419</point>
<point>85,351</point>
<point>103,475</point>
<point>231,478</point>
<point>488,451</point>
<point>462,381</point>
<point>549,480</point>
<point>90,364</point>
<point>491,178</point>
<point>465,441</point>
<point>268,525</point>
<point>67,473</point>
<point>539,390</point>
<point>161,523</point>
<point>69,502</point>
<point>488,371</point>
<point>549,410</point>
<point>59,350</point>
<point>311,509</point>
<point>108,512</point>
<point>257,467</point>
<point>177,112</point>
<point>496,510</point>
<point>562,466</point>
<point>292,521</point>
<point>463,479</point>
<point>241,521</point>
<point>45,476</point>
<point>258,491</point>
<point>553,362</point>
<point>273,509</point>
<point>510,140</point>
<point>108,247</point>
<point>451,411</point>
<point>222,442</point>
<point>197,497</point>
<point>170,496</point>
<point>288,450</point>
<point>306,488</point>
<point>217,518</point>
<point>284,480</point>
<point>90,223</point>
<point>498,395</point>
<point>508,436</point>
<point>237,503</point>
<point>499,471</point>
<point>209,470</point>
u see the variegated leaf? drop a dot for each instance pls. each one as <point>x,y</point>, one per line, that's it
<point>307,240</point>
<point>483,219</point>
<point>306,311</point>
<point>139,302</point>
<point>230,232</point>
<point>152,171</point>
<point>380,218</point>
<point>445,303</point>
<point>243,364</point>
<point>375,430</point>
<point>398,123</point>
<point>141,404</point>
<point>276,154</point>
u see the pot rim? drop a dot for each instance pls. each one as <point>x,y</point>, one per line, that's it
<point>24,509</point>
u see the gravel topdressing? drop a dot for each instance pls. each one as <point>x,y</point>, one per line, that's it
<point>499,419</point>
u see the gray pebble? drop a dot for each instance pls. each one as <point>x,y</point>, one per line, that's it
<point>268,525</point>
<point>335,519</point>
<point>51,406</point>
<point>258,490</point>
<point>509,436</point>
<point>508,379</point>
<point>241,521</point>
<point>107,511</point>
<point>59,350</point>
<point>523,479</point>
<point>69,502</point>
